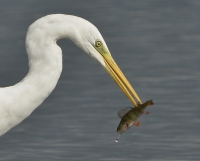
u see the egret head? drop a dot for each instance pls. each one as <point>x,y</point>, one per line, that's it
<point>89,39</point>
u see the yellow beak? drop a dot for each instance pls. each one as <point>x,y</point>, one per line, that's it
<point>118,76</point>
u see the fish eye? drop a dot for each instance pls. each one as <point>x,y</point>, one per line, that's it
<point>98,43</point>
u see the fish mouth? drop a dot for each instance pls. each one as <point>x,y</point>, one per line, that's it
<point>123,127</point>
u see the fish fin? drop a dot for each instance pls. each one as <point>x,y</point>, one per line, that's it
<point>137,123</point>
<point>122,112</point>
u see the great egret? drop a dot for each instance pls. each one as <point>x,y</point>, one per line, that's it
<point>45,65</point>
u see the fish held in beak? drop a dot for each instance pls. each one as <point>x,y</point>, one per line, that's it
<point>129,117</point>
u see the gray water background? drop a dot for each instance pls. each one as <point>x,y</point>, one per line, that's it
<point>156,44</point>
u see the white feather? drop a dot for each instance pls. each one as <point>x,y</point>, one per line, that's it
<point>45,62</point>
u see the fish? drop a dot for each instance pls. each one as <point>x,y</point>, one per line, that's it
<point>129,117</point>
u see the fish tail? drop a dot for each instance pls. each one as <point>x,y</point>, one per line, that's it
<point>149,103</point>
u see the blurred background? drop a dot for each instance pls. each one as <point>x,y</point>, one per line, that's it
<point>155,43</point>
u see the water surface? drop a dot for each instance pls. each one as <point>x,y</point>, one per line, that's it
<point>155,43</point>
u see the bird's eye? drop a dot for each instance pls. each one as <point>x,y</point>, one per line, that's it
<point>98,43</point>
